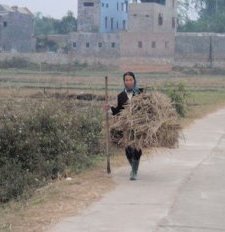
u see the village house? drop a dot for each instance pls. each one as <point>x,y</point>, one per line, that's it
<point>125,29</point>
<point>16,29</point>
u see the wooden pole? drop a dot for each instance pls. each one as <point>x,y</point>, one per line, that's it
<point>107,127</point>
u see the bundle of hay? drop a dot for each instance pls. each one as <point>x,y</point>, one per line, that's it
<point>149,120</point>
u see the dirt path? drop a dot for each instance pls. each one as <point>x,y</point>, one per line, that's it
<point>180,190</point>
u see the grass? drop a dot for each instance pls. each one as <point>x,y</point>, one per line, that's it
<point>57,200</point>
<point>65,198</point>
<point>203,103</point>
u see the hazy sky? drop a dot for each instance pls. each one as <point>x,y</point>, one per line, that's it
<point>54,8</point>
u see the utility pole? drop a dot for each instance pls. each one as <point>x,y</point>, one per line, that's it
<point>210,52</point>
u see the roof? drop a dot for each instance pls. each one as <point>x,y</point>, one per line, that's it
<point>8,9</point>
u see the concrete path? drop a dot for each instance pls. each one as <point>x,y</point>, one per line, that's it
<point>180,190</point>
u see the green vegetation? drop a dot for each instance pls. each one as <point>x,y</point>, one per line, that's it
<point>24,64</point>
<point>41,140</point>
<point>48,26</point>
<point>43,133</point>
<point>178,95</point>
<point>211,16</point>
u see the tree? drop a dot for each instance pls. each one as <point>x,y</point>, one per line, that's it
<point>211,17</point>
<point>182,12</point>
<point>67,24</point>
<point>44,26</point>
<point>210,7</point>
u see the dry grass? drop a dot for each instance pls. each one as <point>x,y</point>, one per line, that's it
<point>64,198</point>
<point>148,121</point>
<point>55,201</point>
<point>59,199</point>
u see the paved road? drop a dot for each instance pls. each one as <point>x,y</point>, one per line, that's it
<point>180,190</point>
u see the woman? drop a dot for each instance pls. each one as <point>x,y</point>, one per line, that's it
<point>133,155</point>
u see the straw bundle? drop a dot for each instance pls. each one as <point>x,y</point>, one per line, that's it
<point>149,120</point>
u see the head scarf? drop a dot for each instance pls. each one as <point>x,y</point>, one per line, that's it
<point>135,90</point>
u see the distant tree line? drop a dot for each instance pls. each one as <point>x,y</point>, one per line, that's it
<point>211,16</point>
<point>44,25</point>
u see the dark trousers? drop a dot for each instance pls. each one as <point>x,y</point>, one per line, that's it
<point>133,154</point>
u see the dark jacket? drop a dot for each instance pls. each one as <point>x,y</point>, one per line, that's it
<point>122,101</point>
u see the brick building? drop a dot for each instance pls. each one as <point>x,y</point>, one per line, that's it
<point>102,15</point>
<point>16,29</point>
<point>124,29</point>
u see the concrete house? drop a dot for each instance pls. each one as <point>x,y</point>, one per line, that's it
<point>128,30</point>
<point>16,29</point>
<point>102,15</point>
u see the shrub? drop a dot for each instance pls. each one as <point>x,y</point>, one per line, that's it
<point>17,62</point>
<point>43,139</point>
<point>178,95</point>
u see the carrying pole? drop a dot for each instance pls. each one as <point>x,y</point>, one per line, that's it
<point>107,127</point>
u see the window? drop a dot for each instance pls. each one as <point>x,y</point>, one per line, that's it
<point>126,6</point>
<point>147,16</point>
<point>117,25</point>
<point>106,22</point>
<point>5,24</point>
<point>117,6</point>
<point>124,24</point>
<point>134,15</point>
<point>103,4</point>
<point>153,44</point>
<point>107,5</point>
<point>140,45</point>
<point>167,44</point>
<point>173,22</point>
<point>99,44</point>
<point>113,44</point>
<point>88,4</point>
<point>111,23</point>
<point>74,44</point>
<point>87,45</point>
<point>160,19</point>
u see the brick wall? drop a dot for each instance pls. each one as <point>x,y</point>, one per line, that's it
<point>200,48</point>
<point>16,32</point>
<point>102,45</point>
<point>151,17</point>
<point>88,16</point>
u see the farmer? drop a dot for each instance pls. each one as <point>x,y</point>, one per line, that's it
<point>133,154</point>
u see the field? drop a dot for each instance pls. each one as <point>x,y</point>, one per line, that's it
<point>206,93</point>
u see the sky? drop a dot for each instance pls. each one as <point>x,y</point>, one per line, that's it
<point>54,8</point>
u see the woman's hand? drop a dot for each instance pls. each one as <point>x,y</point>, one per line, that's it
<point>106,107</point>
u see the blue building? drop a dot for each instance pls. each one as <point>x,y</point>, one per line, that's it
<point>114,15</point>
<point>102,15</point>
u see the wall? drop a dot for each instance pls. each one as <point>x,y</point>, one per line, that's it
<point>136,64</point>
<point>147,44</point>
<point>140,18</point>
<point>88,16</point>
<point>200,48</point>
<point>99,44</point>
<point>17,35</point>
<point>145,16</point>
<point>92,18</point>
<point>116,10</point>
